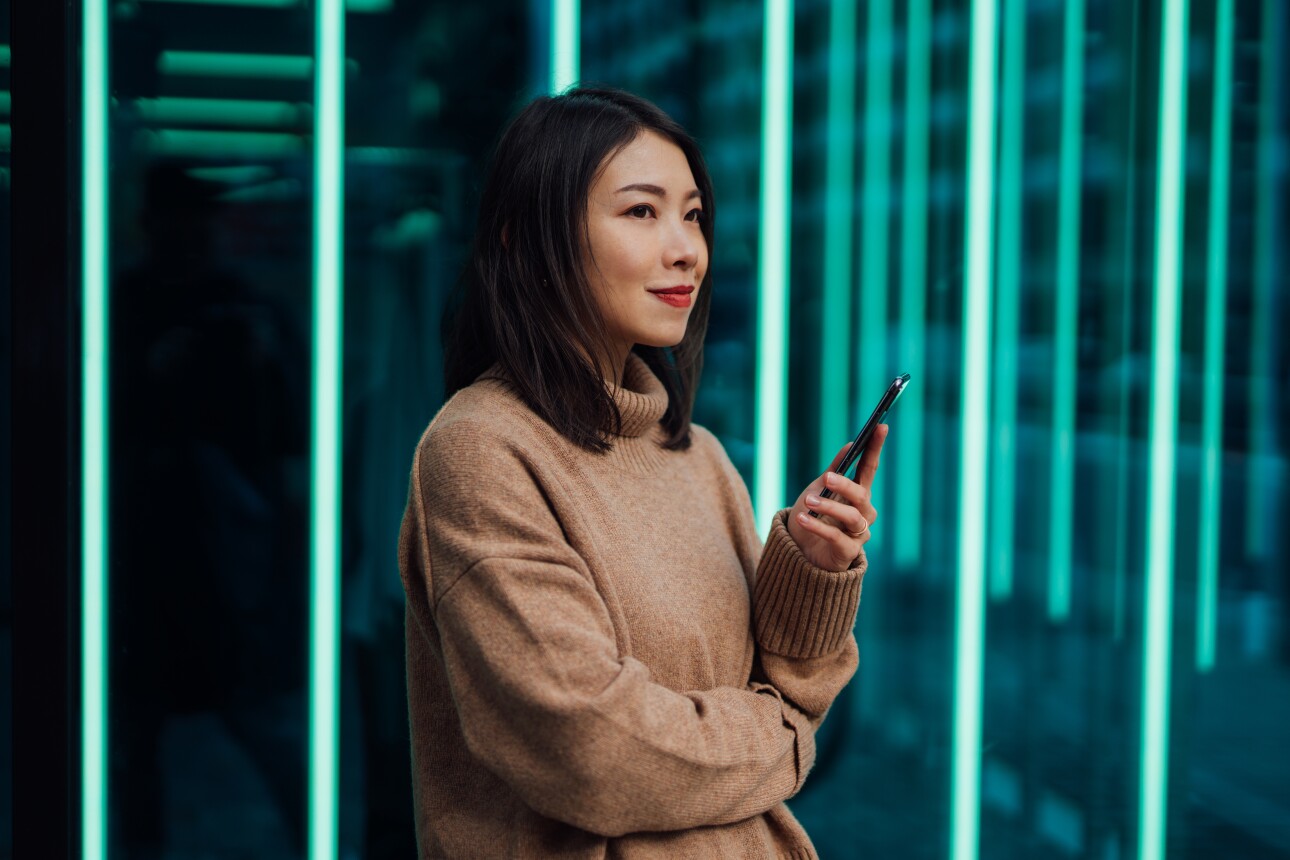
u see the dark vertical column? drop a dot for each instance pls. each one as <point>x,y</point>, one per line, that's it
<point>45,435</point>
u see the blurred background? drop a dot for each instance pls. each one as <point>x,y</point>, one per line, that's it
<point>211,278</point>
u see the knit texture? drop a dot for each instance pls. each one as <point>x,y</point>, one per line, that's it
<point>602,659</point>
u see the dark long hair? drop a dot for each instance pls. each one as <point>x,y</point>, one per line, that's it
<point>524,301</point>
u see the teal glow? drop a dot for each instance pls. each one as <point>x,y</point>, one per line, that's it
<point>1263,373</point>
<point>1066,321</point>
<point>202,143</point>
<point>773,258</point>
<point>230,112</point>
<point>6,137</point>
<point>839,191</point>
<point>6,56</point>
<point>350,5</point>
<point>325,450</point>
<point>969,630</point>
<point>908,451</point>
<point>1003,462</point>
<point>566,44</point>
<point>1211,512</point>
<point>211,64</point>
<point>1158,605</point>
<point>6,102</point>
<point>875,372</point>
<point>94,430</point>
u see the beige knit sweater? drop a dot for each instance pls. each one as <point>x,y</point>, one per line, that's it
<point>602,659</point>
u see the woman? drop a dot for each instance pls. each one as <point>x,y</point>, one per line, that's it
<point>603,660</point>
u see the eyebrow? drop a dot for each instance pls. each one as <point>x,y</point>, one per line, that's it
<point>656,190</point>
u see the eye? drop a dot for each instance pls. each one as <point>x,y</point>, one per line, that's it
<point>641,211</point>
<point>695,215</point>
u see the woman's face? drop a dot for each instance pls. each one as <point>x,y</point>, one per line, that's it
<point>646,255</point>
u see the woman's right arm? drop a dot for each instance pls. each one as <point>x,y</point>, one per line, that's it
<point>546,701</point>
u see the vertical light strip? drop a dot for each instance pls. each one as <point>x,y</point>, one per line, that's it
<point>969,629</point>
<point>1262,423</point>
<point>325,511</point>
<point>566,44</point>
<point>839,196</point>
<point>913,285</point>
<point>1003,456</point>
<point>1158,605</point>
<point>1211,495</point>
<point>874,369</point>
<point>94,430</point>
<point>1066,318</point>
<point>773,262</point>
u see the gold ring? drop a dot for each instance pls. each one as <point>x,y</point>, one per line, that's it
<point>861,533</point>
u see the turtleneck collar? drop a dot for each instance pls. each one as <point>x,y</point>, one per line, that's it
<point>641,398</point>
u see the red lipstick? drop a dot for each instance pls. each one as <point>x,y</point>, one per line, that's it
<point>677,297</point>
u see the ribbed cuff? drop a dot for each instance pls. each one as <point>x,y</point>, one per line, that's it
<point>801,610</point>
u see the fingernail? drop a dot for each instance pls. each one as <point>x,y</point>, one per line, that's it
<point>804,518</point>
<point>812,500</point>
<point>830,478</point>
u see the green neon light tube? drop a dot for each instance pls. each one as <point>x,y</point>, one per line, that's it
<point>233,112</point>
<point>1158,605</point>
<point>1211,511</point>
<point>6,55</point>
<point>94,431</point>
<point>1262,420</point>
<point>6,137</point>
<point>220,144</point>
<point>969,630</point>
<point>1003,462</point>
<point>325,512</point>
<point>566,44</point>
<point>6,102</point>
<point>1066,323</point>
<point>913,285</point>
<point>773,258</point>
<point>208,64</point>
<point>873,362</point>
<point>839,191</point>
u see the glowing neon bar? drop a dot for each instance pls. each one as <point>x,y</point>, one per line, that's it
<point>1211,512</point>
<point>1066,323</point>
<point>6,101</point>
<point>874,369</point>
<point>1003,478</point>
<point>969,629</point>
<point>839,190</point>
<point>1158,605</point>
<point>907,551</point>
<point>1262,421</point>
<point>232,112</point>
<point>204,143</point>
<point>94,431</point>
<point>325,449</point>
<point>566,44</point>
<point>773,258</point>
<point>209,64</point>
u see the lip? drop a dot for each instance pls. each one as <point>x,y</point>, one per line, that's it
<point>677,297</point>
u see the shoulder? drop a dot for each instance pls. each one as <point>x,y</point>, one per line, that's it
<point>705,444</point>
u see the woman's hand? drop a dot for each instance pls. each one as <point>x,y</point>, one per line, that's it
<point>833,540</point>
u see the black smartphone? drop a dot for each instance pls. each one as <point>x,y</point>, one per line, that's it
<point>852,457</point>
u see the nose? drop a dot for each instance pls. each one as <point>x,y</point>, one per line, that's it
<point>685,246</point>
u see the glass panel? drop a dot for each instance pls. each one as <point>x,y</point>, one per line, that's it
<point>6,419</point>
<point>438,83</point>
<point>210,258</point>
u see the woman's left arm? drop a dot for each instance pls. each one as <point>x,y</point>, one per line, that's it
<point>807,587</point>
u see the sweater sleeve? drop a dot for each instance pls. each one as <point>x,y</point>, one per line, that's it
<point>803,615</point>
<point>546,700</point>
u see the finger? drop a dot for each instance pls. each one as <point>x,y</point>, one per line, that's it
<point>869,461</point>
<point>848,518</point>
<point>843,544</point>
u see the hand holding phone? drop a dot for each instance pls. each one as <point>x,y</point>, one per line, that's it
<point>834,543</point>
